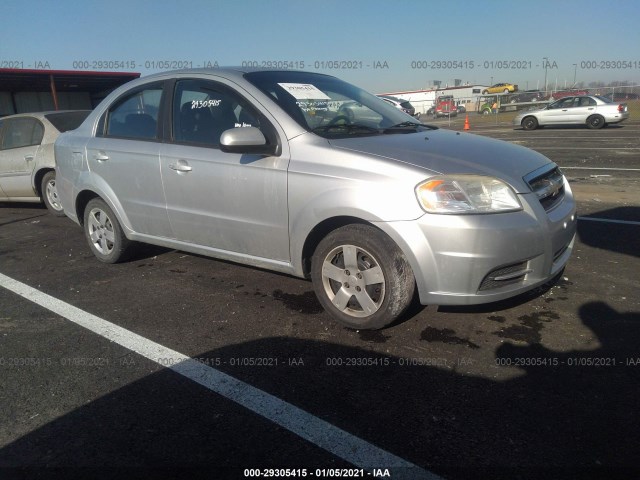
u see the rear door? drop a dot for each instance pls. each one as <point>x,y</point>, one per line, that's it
<point>583,108</point>
<point>125,158</point>
<point>20,143</point>
<point>231,202</point>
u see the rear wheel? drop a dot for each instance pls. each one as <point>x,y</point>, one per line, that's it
<point>361,277</point>
<point>50,194</point>
<point>104,233</point>
<point>529,123</point>
<point>595,121</point>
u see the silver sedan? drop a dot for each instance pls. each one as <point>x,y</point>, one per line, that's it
<point>27,165</point>
<point>590,110</point>
<point>265,168</point>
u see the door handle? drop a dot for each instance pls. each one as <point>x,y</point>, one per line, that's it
<point>101,157</point>
<point>180,167</point>
<point>28,158</point>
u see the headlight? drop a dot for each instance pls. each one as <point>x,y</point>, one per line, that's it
<point>466,194</point>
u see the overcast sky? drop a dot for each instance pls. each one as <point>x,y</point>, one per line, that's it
<point>379,45</point>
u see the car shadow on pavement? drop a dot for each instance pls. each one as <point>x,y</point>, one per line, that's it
<point>570,414</point>
<point>615,237</point>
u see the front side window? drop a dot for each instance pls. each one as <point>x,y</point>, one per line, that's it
<point>202,110</point>
<point>22,132</point>
<point>136,115</point>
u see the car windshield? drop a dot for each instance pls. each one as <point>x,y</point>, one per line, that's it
<point>330,107</point>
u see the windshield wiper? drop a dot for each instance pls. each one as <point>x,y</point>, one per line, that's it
<point>344,128</point>
<point>408,124</point>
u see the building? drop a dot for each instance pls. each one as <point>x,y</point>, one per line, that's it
<point>23,91</point>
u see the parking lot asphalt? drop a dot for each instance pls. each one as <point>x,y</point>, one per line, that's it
<point>541,386</point>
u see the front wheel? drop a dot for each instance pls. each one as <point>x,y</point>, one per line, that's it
<point>50,194</point>
<point>595,121</point>
<point>104,233</point>
<point>529,123</point>
<point>361,277</point>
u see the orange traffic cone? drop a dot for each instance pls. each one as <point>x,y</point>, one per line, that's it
<point>466,123</point>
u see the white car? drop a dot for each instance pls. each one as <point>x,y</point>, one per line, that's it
<point>27,164</point>
<point>590,110</point>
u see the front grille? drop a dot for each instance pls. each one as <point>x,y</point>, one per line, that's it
<point>548,187</point>
<point>507,275</point>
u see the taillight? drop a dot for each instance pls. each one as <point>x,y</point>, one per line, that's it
<point>621,108</point>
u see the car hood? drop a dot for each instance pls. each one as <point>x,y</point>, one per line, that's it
<point>447,152</point>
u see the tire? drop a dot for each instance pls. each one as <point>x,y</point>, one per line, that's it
<point>104,233</point>
<point>50,194</point>
<point>506,90</point>
<point>484,92</point>
<point>529,123</point>
<point>361,277</point>
<point>595,121</point>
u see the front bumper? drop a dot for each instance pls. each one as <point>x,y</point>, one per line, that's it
<point>473,259</point>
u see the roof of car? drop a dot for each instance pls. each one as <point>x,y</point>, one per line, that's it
<point>227,72</point>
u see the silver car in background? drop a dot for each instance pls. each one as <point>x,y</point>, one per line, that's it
<point>590,110</point>
<point>27,164</point>
<point>264,168</point>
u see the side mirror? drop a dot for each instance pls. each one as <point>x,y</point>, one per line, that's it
<point>245,140</point>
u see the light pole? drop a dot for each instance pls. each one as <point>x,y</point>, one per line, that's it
<point>575,70</point>
<point>546,61</point>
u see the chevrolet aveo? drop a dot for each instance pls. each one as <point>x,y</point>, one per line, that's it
<point>262,168</point>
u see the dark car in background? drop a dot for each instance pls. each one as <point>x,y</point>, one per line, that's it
<point>568,93</point>
<point>400,103</point>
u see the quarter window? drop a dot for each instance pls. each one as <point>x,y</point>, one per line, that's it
<point>22,132</point>
<point>202,110</point>
<point>136,115</point>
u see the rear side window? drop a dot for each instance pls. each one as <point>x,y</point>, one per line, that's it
<point>136,115</point>
<point>21,132</point>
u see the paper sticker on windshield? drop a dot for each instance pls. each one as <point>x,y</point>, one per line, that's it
<point>304,91</point>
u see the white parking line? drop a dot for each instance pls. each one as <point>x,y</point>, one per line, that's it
<point>313,429</point>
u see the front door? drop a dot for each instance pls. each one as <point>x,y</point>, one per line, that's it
<point>231,202</point>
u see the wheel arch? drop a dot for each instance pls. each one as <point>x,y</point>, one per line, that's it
<point>82,200</point>
<point>320,231</point>
<point>37,179</point>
